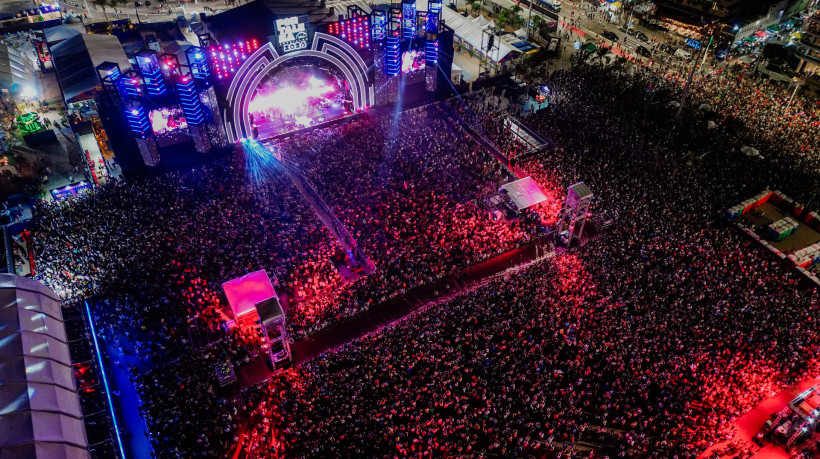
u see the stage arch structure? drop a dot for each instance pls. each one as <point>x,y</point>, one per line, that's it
<point>328,50</point>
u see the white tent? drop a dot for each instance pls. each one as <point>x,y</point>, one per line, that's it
<point>521,33</point>
<point>480,20</point>
<point>524,193</point>
<point>470,32</point>
<point>40,415</point>
<point>16,68</point>
<point>750,151</point>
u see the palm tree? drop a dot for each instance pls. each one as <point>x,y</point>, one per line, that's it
<point>538,21</point>
<point>516,19</point>
<point>108,3</point>
<point>503,18</point>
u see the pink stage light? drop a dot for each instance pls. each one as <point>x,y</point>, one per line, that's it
<point>289,99</point>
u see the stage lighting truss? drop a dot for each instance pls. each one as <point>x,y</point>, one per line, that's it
<point>189,100</point>
<point>198,63</point>
<point>227,58</point>
<point>355,31</point>
<point>392,57</point>
<point>151,74</point>
<point>138,121</point>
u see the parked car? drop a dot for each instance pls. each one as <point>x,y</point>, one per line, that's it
<point>665,48</point>
<point>641,51</point>
<point>641,36</point>
<point>553,46</point>
<point>683,54</point>
<point>610,35</point>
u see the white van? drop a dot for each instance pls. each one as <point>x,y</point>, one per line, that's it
<point>554,5</point>
<point>683,54</point>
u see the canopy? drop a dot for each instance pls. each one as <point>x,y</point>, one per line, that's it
<point>16,69</point>
<point>41,415</point>
<point>77,58</point>
<point>60,33</point>
<point>747,59</point>
<point>774,28</point>
<point>245,292</point>
<point>270,310</point>
<point>750,151</point>
<point>751,39</point>
<point>524,193</point>
<point>481,20</point>
<point>471,32</point>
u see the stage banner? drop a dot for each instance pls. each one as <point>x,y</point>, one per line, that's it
<point>292,34</point>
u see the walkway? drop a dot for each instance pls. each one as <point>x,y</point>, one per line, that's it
<point>360,263</point>
<point>400,307</point>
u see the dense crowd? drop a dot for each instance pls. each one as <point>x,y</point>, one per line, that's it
<point>647,342</point>
<point>408,196</point>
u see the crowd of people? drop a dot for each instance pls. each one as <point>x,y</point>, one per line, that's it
<point>646,342</point>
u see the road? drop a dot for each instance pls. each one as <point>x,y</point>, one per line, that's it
<point>571,13</point>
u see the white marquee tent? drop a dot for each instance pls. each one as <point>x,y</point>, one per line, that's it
<point>40,415</point>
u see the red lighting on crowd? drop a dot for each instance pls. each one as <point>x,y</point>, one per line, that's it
<point>355,31</point>
<point>227,58</point>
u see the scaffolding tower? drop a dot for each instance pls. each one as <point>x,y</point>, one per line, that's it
<point>574,213</point>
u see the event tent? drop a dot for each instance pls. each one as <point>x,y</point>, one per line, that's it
<point>61,33</point>
<point>524,193</point>
<point>40,414</point>
<point>76,60</point>
<point>471,32</point>
<point>16,67</point>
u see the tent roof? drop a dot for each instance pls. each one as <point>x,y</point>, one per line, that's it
<point>269,309</point>
<point>245,292</point>
<point>469,31</point>
<point>15,68</point>
<point>524,193</point>
<point>41,415</point>
<point>76,59</point>
<point>60,33</point>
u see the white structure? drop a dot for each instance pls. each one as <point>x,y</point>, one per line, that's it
<point>40,415</point>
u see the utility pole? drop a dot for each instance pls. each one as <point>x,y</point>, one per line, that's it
<point>529,17</point>
<point>695,66</point>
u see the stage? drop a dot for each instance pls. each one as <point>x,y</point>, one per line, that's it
<point>288,124</point>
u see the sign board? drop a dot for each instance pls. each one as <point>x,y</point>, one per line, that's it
<point>292,33</point>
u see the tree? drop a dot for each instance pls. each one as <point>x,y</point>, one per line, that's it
<point>108,3</point>
<point>516,20</point>
<point>476,7</point>
<point>503,18</point>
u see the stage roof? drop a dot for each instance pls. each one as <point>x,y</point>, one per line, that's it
<point>245,292</point>
<point>524,193</point>
<point>256,18</point>
<point>76,59</point>
<point>40,414</point>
